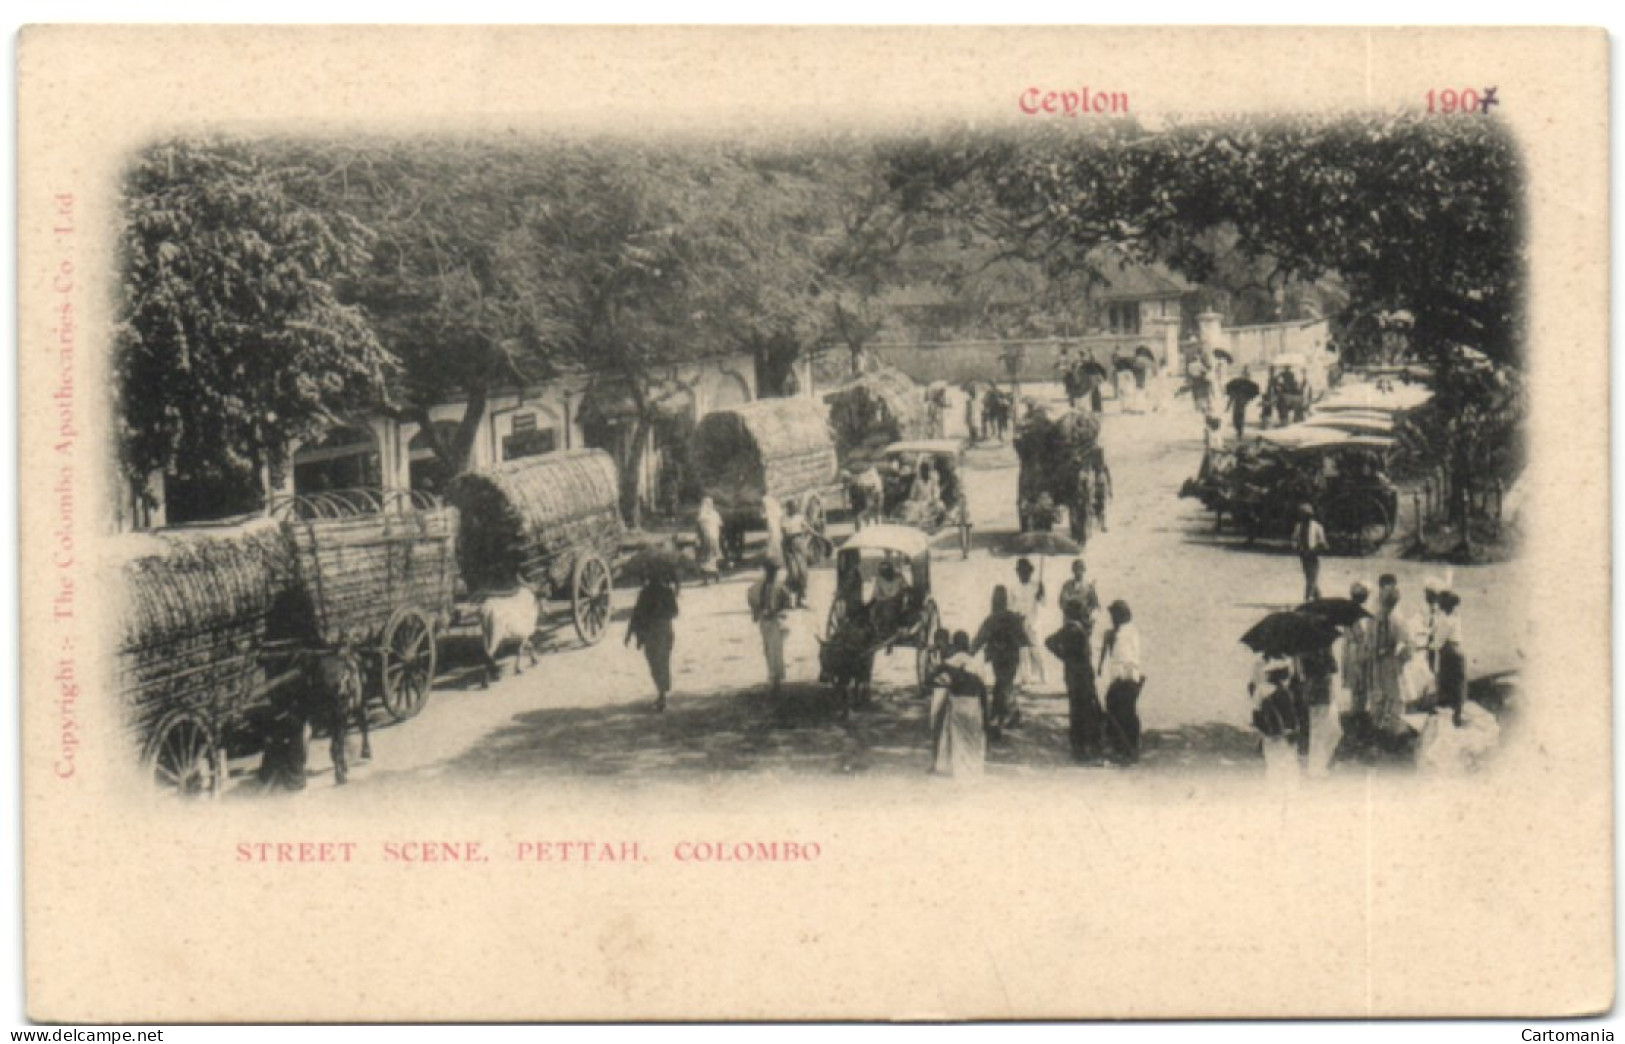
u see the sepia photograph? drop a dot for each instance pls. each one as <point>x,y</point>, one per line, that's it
<point>937,453</point>
<point>952,561</point>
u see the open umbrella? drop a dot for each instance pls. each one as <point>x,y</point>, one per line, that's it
<point>1220,353</point>
<point>1339,612</point>
<point>1243,388</point>
<point>1044,542</point>
<point>1092,368</point>
<point>1143,352</point>
<point>1289,634</point>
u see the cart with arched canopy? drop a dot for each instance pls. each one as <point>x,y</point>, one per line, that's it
<point>914,621</point>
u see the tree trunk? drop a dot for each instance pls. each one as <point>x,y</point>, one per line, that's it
<point>632,454</point>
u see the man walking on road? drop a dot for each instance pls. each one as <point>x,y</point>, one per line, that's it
<point>1121,664</point>
<point>1309,540</point>
<point>769,602</point>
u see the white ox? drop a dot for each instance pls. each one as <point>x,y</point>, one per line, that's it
<point>508,618</point>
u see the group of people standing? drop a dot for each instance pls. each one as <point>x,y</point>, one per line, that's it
<point>965,706</point>
<point>1354,696</point>
<point>987,412</point>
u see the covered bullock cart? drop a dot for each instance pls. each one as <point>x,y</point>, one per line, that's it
<point>193,618</point>
<point>872,412</point>
<point>1062,465</point>
<point>551,523</point>
<point>375,570</point>
<point>771,447</point>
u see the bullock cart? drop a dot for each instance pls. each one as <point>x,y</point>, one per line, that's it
<point>550,523</point>
<point>771,447</point>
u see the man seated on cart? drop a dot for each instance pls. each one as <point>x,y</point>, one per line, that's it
<point>890,604</point>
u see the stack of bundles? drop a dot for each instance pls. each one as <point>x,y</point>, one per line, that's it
<point>193,618</point>
<point>778,447</point>
<point>873,412</point>
<point>1054,450</point>
<point>532,518</point>
<point>357,570</point>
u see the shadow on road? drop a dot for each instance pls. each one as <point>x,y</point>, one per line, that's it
<point>800,732</point>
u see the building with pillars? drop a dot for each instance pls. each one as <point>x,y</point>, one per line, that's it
<point>572,412</point>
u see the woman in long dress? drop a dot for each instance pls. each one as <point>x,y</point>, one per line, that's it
<point>1025,597</point>
<point>1393,648</point>
<point>709,528</point>
<point>958,713</point>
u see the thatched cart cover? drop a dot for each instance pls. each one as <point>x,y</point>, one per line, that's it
<point>532,518</point>
<point>779,447</point>
<point>193,616</point>
<point>1053,450</point>
<point>874,411</point>
<point>387,553</point>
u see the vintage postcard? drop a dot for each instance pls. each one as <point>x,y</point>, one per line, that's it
<point>767,523</point>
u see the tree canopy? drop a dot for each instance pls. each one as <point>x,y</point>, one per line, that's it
<point>231,339</point>
<point>273,286</point>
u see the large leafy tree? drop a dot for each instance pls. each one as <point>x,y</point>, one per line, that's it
<point>649,260</point>
<point>446,288</point>
<point>1411,215</point>
<point>231,339</point>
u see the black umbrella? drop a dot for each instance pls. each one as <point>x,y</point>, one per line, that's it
<point>1045,542</point>
<point>1289,634</point>
<point>1146,353</point>
<point>1243,388</point>
<point>1339,612</point>
<point>1220,353</point>
<point>1092,368</point>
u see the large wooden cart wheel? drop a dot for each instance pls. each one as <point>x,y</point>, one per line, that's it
<point>589,598</point>
<point>926,659</point>
<point>185,757</point>
<point>1376,525</point>
<point>406,670</point>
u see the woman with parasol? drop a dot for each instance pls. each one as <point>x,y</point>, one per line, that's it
<point>1291,686</point>
<point>1238,393</point>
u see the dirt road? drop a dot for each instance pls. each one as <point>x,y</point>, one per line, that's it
<point>588,712</point>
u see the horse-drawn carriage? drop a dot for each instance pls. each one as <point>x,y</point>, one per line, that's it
<point>1259,485</point>
<point>932,499</point>
<point>882,600</point>
<point>779,448</point>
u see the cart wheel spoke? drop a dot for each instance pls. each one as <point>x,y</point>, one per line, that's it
<point>408,664</point>
<point>181,757</point>
<point>590,598</point>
